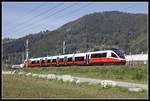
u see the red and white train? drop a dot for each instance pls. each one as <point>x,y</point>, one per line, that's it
<point>104,57</point>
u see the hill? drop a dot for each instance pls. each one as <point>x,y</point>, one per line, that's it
<point>95,31</point>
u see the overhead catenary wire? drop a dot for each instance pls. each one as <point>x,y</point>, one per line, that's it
<point>32,27</point>
<point>22,25</point>
<point>74,11</point>
<point>26,14</point>
<point>52,14</point>
<point>53,20</point>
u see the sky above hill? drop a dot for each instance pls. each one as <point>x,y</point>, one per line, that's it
<point>24,18</point>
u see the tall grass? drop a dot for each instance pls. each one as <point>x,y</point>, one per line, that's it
<point>120,73</point>
<point>17,86</point>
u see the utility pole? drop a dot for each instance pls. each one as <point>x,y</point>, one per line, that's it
<point>9,58</point>
<point>64,47</point>
<point>27,56</point>
<point>22,57</point>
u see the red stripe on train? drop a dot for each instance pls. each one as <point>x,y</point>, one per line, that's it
<point>79,62</point>
<point>94,60</point>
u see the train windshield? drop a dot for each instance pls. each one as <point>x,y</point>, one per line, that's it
<point>119,53</point>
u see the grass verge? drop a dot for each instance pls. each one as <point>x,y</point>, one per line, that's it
<point>16,86</point>
<point>135,74</point>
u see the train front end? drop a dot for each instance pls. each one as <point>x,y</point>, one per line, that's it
<point>121,56</point>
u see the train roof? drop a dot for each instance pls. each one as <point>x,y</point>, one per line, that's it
<point>103,51</point>
<point>33,59</point>
<point>70,55</point>
<point>60,56</point>
<point>79,54</point>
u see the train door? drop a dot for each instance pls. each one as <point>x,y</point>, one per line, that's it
<point>87,58</point>
<point>57,61</point>
<point>65,60</point>
<point>73,59</point>
<point>27,63</point>
<point>45,61</point>
<point>40,62</point>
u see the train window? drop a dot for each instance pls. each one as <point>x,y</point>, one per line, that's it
<point>29,61</point>
<point>98,55</point>
<point>69,59</point>
<point>43,61</point>
<point>119,53</point>
<point>61,60</point>
<point>65,58</point>
<point>79,58</point>
<point>49,60</point>
<point>113,55</point>
<point>33,62</point>
<point>37,61</point>
<point>54,60</point>
<point>57,59</point>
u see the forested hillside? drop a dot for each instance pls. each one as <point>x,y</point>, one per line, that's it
<point>96,31</point>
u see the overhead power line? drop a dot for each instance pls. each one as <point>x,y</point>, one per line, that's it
<point>74,11</point>
<point>28,27</point>
<point>52,14</point>
<point>26,14</point>
<point>22,25</point>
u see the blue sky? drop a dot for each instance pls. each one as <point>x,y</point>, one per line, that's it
<point>24,18</point>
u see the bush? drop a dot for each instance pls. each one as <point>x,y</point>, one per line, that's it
<point>6,67</point>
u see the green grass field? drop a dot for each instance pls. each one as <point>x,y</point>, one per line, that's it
<point>135,74</point>
<point>17,86</point>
